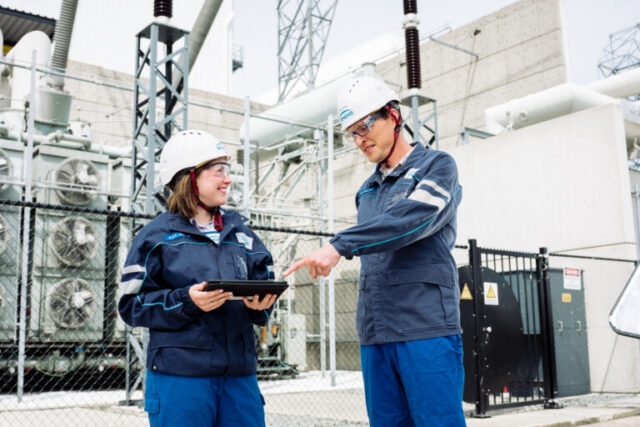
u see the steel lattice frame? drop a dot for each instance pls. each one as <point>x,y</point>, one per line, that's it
<point>168,103</point>
<point>158,107</point>
<point>622,52</point>
<point>303,28</point>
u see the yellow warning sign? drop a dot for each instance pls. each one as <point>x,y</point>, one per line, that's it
<point>466,294</point>
<point>566,297</point>
<point>491,293</point>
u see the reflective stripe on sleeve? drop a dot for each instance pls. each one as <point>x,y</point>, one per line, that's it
<point>424,196</point>
<point>134,268</point>
<point>131,286</point>
<point>436,188</point>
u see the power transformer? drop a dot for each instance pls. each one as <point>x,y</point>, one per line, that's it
<point>11,188</point>
<point>68,276</point>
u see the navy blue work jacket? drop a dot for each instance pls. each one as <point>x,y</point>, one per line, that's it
<point>168,256</point>
<point>408,286</point>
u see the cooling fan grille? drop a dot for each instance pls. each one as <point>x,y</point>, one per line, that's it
<point>79,181</point>
<point>71,303</point>
<point>74,241</point>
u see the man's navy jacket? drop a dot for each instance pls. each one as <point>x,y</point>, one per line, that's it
<point>408,286</point>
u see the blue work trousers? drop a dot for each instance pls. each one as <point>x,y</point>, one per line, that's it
<point>203,401</point>
<point>414,383</point>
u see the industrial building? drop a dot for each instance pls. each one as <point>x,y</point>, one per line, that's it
<point>544,163</point>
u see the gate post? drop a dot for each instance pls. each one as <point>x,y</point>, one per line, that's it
<point>546,328</point>
<point>475,262</point>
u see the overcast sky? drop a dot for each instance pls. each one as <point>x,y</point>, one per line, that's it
<point>589,22</point>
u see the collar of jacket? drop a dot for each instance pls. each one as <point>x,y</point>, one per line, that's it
<point>418,152</point>
<point>230,221</point>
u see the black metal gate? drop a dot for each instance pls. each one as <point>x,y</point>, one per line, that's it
<point>507,329</point>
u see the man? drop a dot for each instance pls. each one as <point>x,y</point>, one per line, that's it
<point>407,317</point>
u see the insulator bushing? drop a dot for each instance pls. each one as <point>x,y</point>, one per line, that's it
<point>163,8</point>
<point>410,6</point>
<point>412,44</point>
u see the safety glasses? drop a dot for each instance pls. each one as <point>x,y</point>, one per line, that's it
<point>363,128</point>
<point>219,169</point>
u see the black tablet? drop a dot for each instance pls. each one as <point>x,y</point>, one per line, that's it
<point>248,288</point>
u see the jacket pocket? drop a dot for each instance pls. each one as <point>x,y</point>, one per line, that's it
<point>180,352</point>
<point>239,260</point>
<point>399,191</point>
<point>185,339</point>
<point>423,298</point>
<point>360,310</point>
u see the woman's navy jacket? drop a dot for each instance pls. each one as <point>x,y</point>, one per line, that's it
<point>168,256</point>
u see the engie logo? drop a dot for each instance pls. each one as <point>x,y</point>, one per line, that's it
<point>245,240</point>
<point>174,236</point>
<point>345,114</point>
<point>219,146</point>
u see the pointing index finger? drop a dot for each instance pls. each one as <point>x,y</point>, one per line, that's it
<point>294,267</point>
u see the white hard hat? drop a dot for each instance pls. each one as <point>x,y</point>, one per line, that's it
<point>361,96</point>
<point>188,149</point>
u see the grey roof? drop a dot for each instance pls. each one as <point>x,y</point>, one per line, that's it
<point>15,24</point>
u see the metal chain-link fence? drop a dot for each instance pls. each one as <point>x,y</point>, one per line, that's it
<point>59,278</point>
<point>585,289</point>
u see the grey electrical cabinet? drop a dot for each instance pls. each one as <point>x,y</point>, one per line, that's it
<point>570,331</point>
<point>569,325</point>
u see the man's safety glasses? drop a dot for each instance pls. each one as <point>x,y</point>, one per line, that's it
<point>363,128</point>
<point>219,169</point>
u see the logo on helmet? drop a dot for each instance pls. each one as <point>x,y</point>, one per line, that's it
<point>219,146</point>
<point>345,114</point>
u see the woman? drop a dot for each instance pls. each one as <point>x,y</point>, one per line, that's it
<point>201,359</point>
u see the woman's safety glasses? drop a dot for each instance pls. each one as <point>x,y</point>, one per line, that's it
<point>219,169</point>
<point>363,128</point>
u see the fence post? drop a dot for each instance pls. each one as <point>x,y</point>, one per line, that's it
<point>27,174</point>
<point>478,313</point>
<point>546,328</point>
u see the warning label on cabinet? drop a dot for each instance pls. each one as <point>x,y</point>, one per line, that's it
<point>572,279</point>
<point>490,293</point>
<point>466,293</point>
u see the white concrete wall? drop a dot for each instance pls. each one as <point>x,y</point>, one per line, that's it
<point>109,111</point>
<point>562,184</point>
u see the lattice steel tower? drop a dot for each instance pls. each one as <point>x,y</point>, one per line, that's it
<point>162,52</point>
<point>622,52</point>
<point>303,28</point>
<point>160,105</point>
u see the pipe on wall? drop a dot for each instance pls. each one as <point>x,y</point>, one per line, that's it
<point>565,99</point>
<point>541,106</point>
<point>618,86</point>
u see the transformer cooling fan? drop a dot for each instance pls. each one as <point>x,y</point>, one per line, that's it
<point>79,180</point>
<point>74,241</point>
<point>71,303</point>
<point>4,234</point>
<point>6,170</point>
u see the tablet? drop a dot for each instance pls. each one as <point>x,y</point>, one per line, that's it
<point>248,288</point>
